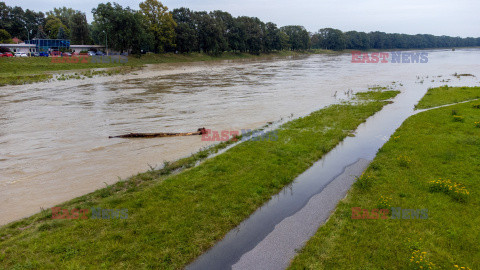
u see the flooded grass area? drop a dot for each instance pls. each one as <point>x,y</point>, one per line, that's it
<point>82,75</point>
<point>173,220</point>
<point>431,164</point>
<point>15,79</point>
<point>377,94</point>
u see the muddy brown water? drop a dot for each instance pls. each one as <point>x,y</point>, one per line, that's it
<point>54,142</point>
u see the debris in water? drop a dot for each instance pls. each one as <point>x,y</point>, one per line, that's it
<point>200,131</point>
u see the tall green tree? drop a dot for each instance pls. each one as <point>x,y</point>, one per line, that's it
<point>79,29</point>
<point>225,22</point>
<point>331,39</point>
<point>357,40</point>
<point>17,23</point>
<point>75,21</point>
<point>159,23</point>
<point>236,36</point>
<point>122,27</point>
<point>377,39</point>
<point>53,25</point>
<point>5,22</point>
<point>5,37</point>
<point>186,36</point>
<point>284,41</point>
<point>61,34</point>
<point>298,37</point>
<point>252,34</point>
<point>40,34</point>
<point>272,39</point>
<point>209,33</point>
<point>64,14</point>
<point>32,21</point>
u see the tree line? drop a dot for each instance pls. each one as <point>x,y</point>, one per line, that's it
<point>61,23</point>
<point>334,39</point>
<point>154,28</point>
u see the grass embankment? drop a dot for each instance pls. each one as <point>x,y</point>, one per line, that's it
<point>14,71</point>
<point>431,162</point>
<point>447,95</point>
<point>173,219</point>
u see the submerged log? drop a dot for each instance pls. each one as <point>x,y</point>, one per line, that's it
<point>200,131</point>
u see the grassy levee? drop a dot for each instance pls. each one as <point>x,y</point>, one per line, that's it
<point>16,71</point>
<point>173,219</point>
<point>431,162</point>
<point>446,95</point>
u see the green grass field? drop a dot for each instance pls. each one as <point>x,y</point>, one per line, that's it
<point>15,71</point>
<point>431,162</point>
<point>447,95</point>
<point>173,219</point>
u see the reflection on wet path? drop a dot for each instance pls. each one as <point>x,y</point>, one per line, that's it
<point>255,241</point>
<point>54,136</point>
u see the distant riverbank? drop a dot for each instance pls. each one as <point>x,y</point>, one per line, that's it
<point>16,71</point>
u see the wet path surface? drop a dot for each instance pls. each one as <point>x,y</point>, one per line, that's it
<point>54,142</point>
<point>277,249</point>
<point>269,238</point>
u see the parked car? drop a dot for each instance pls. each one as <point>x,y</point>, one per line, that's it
<point>66,54</point>
<point>7,54</point>
<point>1,54</point>
<point>56,53</point>
<point>44,54</point>
<point>91,53</point>
<point>36,54</point>
<point>21,54</point>
<point>100,53</point>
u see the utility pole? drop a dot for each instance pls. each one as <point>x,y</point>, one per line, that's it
<point>28,32</point>
<point>106,42</point>
<point>28,35</point>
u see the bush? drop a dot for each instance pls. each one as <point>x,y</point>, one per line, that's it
<point>365,181</point>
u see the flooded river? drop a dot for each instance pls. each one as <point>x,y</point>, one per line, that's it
<point>54,136</point>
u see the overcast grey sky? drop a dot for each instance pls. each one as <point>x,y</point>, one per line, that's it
<point>438,17</point>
